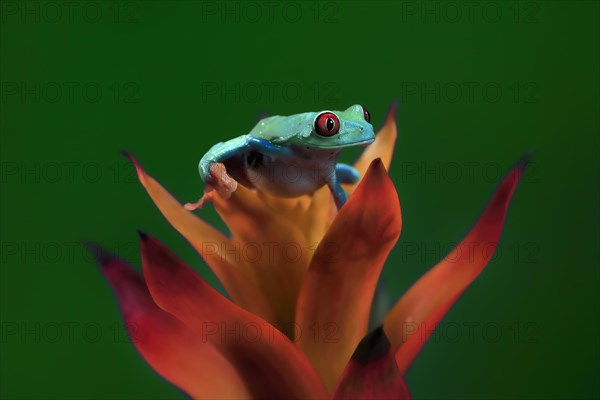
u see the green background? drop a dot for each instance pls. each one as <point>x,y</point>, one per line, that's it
<point>477,86</point>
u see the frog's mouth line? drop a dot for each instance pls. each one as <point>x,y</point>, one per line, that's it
<point>341,146</point>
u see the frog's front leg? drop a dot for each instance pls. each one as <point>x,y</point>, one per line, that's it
<point>217,154</point>
<point>346,173</point>
<point>265,147</point>
<point>339,195</point>
<point>213,172</point>
<point>222,151</point>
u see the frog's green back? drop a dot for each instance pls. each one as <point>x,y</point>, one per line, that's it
<point>281,129</point>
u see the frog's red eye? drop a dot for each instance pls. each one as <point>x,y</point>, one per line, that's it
<point>366,114</point>
<point>327,124</point>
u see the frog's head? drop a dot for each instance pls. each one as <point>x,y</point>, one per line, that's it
<point>338,129</point>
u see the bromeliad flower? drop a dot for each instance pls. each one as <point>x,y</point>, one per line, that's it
<point>301,277</point>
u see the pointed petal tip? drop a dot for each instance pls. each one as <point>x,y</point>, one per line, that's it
<point>376,376</point>
<point>525,160</point>
<point>377,175</point>
<point>149,243</point>
<point>373,346</point>
<point>377,168</point>
<point>143,235</point>
<point>156,255</point>
<point>102,256</point>
<point>393,109</point>
<point>131,158</point>
<point>125,281</point>
<point>138,168</point>
<point>507,186</point>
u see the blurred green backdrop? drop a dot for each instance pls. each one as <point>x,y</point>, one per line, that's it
<point>478,84</point>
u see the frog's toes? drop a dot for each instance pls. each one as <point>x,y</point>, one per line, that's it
<point>206,197</point>
<point>222,181</point>
<point>219,181</point>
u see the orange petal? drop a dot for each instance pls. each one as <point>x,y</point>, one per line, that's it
<point>317,218</point>
<point>268,362</point>
<point>372,372</point>
<point>414,317</point>
<point>382,147</point>
<point>170,347</point>
<point>336,295</point>
<point>312,214</point>
<point>212,245</point>
<point>270,247</point>
<point>288,207</point>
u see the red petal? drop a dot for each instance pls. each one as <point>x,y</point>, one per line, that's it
<point>269,363</point>
<point>336,295</point>
<point>412,320</point>
<point>372,372</point>
<point>171,348</point>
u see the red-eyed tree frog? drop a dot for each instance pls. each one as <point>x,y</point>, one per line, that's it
<point>289,156</point>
